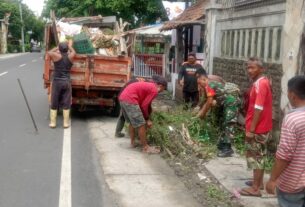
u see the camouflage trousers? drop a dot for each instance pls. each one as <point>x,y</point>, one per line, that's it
<point>228,119</point>
<point>256,151</point>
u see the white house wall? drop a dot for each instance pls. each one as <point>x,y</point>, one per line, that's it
<point>293,29</point>
<point>262,17</point>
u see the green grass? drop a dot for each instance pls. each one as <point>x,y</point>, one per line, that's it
<point>215,193</point>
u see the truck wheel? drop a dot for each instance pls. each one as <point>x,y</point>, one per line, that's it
<point>115,111</point>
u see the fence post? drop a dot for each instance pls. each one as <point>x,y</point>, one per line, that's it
<point>163,65</point>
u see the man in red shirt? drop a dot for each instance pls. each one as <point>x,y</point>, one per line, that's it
<point>135,101</point>
<point>258,125</point>
<point>288,172</point>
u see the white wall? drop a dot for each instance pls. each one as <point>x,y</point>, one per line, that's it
<point>293,28</point>
<point>290,16</point>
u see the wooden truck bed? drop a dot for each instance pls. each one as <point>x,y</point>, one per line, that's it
<point>95,80</point>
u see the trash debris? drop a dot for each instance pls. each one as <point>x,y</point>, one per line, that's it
<point>100,41</point>
<point>201,176</point>
<point>68,29</point>
<point>235,193</point>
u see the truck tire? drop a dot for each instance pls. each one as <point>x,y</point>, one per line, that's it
<point>115,111</point>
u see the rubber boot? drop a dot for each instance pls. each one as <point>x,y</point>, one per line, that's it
<point>226,151</point>
<point>66,115</point>
<point>53,115</point>
<point>220,146</point>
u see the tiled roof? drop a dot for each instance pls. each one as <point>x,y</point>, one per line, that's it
<point>191,15</point>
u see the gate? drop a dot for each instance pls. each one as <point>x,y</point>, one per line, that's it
<point>146,65</point>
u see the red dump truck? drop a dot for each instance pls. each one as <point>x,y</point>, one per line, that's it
<point>96,79</point>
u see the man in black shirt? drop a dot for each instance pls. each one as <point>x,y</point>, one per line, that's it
<point>188,80</point>
<point>62,57</point>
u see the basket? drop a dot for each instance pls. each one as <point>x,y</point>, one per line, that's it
<point>82,44</point>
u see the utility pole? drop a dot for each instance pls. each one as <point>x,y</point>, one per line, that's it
<point>22,32</point>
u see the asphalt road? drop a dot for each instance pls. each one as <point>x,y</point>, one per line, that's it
<point>32,164</point>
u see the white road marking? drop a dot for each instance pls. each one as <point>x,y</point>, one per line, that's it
<point>20,66</point>
<point>65,196</point>
<point>33,61</point>
<point>2,74</point>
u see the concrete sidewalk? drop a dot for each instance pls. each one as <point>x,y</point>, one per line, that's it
<point>10,55</point>
<point>232,173</point>
<point>136,179</point>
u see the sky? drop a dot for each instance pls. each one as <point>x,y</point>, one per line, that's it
<point>35,5</point>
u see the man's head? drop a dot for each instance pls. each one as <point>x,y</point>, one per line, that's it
<point>191,58</point>
<point>202,78</point>
<point>63,47</point>
<point>255,67</point>
<point>161,82</point>
<point>296,90</point>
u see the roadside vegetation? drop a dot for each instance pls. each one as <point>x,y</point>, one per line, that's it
<point>182,123</point>
<point>175,127</point>
<point>187,144</point>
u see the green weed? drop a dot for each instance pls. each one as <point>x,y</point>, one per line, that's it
<point>239,142</point>
<point>269,163</point>
<point>205,131</point>
<point>215,193</point>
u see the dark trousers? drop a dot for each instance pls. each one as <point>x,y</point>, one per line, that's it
<point>191,98</point>
<point>61,94</point>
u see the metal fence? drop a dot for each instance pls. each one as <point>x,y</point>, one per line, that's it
<point>146,65</point>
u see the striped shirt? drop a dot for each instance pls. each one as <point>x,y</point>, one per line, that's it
<point>292,149</point>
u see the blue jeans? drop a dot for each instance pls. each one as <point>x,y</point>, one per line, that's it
<point>291,199</point>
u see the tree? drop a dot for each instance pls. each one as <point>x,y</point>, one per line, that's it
<point>135,12</point>
<point>30,23</point>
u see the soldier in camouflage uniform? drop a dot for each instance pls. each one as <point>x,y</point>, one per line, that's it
<point>225,97</point>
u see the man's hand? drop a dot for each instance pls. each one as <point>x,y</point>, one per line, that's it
<point>249,136</point>
<point>149,123</point>
<point>200,115</point>
<point>181,82</point>
<point>270,187</point>
<point>70,43</point>
<point>196,110</point>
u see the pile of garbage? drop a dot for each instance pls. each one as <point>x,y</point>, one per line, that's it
<point>93,40</point>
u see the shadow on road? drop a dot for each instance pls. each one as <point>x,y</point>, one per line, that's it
<point>91,114</point>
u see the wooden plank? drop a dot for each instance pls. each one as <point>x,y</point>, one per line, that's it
<point>54,29</point>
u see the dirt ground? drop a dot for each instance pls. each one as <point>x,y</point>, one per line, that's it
<point>188,165</point>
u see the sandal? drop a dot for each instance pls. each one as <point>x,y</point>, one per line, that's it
<point>250,183</point>
<point>249,192</point>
